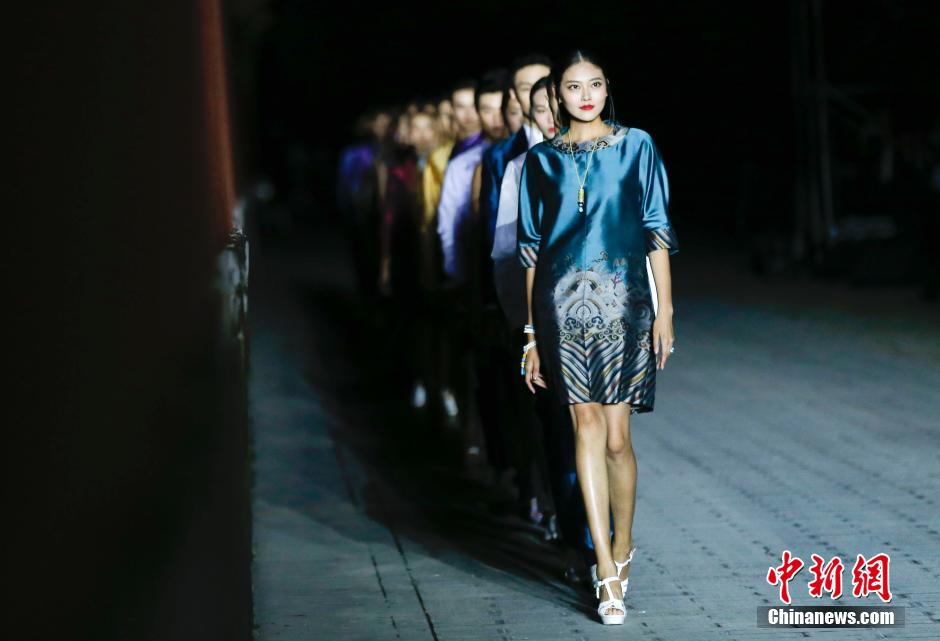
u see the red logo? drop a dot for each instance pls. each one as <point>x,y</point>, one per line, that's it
<point>869,576</point>
<point>783,574</point>
<point>826,579</point>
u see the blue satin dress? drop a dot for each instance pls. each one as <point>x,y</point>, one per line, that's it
<point>591,301</point>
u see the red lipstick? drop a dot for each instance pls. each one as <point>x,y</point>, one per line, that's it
<point>586,107</point>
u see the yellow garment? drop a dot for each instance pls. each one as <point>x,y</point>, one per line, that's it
<point>432,180</point>
<point>429,193</point>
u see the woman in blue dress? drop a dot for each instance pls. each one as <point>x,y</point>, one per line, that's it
<point>592,208</point>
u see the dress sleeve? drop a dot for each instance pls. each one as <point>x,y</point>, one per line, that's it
<point>656,222</point>
<point>529,224</point>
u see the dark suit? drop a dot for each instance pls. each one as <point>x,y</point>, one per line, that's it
<point>540,436</point>
<point>493,168</point>
<point>495,354</point>
<point>494,161</point>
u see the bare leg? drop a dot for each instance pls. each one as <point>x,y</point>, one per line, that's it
<point>621,473</point>
<point>590,430</point>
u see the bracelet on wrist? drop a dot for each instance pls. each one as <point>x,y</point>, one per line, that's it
<point>525,352</point>
<point>528,329</point>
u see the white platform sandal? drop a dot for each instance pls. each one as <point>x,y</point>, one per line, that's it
<point>620,566</point>
<point>610,604</point>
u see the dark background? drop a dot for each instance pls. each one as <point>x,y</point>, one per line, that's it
<point>127,513</point>
<point>708,81</point>
<point>718,85</point>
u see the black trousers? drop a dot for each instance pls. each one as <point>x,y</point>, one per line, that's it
<point>553,421</point>
<point>496,414</point>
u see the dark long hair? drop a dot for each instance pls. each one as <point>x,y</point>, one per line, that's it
<point>576,57</point>
<point>542,83</point>
<point>504,108</point>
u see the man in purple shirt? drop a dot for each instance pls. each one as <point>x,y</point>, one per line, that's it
<point>355,196</point>
<point>453,210</point>
<point>455,225</point>
<point>467,119</point>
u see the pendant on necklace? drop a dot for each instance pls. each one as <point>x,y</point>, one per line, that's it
<point>581,200</point>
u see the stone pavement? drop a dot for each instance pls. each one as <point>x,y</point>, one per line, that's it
<point>792,416</point>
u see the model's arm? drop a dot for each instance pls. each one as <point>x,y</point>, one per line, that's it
<point>529,282</point>
<point>528,238</point>
<point>533,374</point>
<point>661,243</point>
<point>663,333</point>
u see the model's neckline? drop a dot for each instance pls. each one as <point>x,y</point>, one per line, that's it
<point>619,133</point>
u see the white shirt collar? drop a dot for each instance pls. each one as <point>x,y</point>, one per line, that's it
<point>532,134</point>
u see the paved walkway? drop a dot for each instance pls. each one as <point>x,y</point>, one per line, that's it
<point>799,417</point>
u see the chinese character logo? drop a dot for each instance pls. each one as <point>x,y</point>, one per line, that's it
<point>871,576</point>
<point>826,579</point>
<point>784,573</point>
